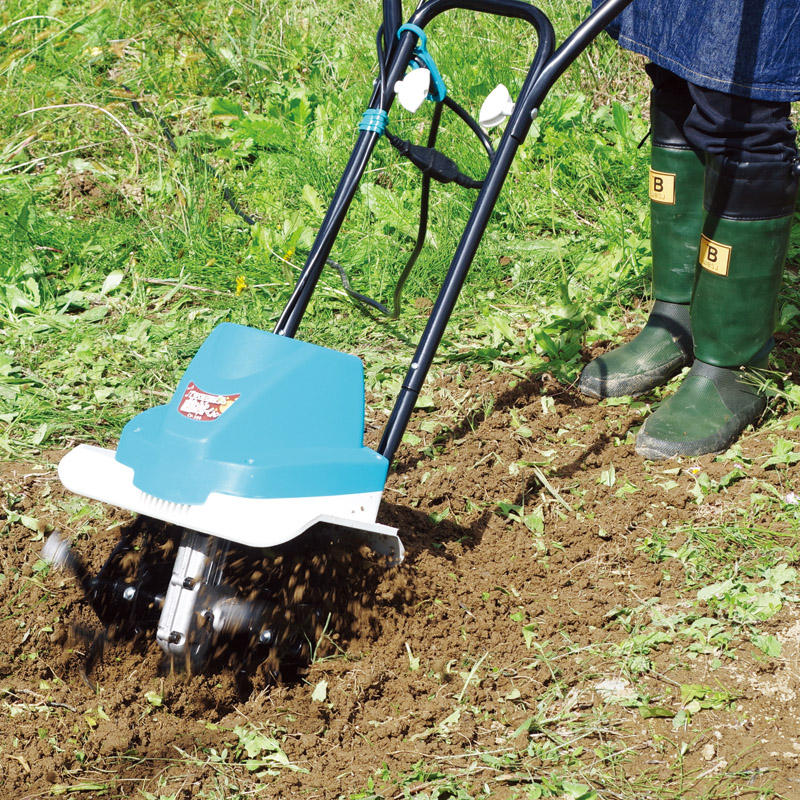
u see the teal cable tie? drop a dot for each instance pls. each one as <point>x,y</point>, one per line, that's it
<point>374,120</point>
<point>423,39</point>
<point>421,51</point>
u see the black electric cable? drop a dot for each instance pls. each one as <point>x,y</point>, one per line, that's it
<point>473,125</point>
<point>428,160</point>
<point>381,61</point>
<point>431,163</point>
<point>427,163</point>
<point>353,294</point>
<point>422,231</point>
<point>170,139</point>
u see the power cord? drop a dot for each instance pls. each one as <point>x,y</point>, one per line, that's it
<point>170,140</point>
<point>432,164</point>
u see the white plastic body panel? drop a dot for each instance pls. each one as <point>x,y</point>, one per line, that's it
<point>94,472</point>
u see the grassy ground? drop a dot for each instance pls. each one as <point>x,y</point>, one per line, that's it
<point>118,255</point>
<point>99,212</point>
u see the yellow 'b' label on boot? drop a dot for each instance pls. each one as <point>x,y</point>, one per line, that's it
<point>714,257</point>
<point>662,187</point>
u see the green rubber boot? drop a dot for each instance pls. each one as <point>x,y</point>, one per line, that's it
<point>664,346</point>
<point>742,252</point>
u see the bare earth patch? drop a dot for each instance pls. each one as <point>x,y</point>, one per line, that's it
<point>511,644</point>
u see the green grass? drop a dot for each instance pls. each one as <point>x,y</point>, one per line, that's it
<point>97,207</point>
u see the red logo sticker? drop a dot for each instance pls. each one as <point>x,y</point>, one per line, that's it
<point>197,404</point>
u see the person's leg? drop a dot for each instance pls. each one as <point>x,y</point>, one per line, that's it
<point>750,189</point>
<point>664,345</point>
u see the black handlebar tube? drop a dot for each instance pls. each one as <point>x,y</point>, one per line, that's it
<point>534,92</point>
<point>292,314</point>
<point>392,20</point>
<point>536,87</point>
<point>547,67</point>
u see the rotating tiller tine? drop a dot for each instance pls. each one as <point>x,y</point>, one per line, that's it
<point>198,604</point>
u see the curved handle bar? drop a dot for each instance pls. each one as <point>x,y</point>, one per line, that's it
<point>515,9</point>
<point>501,8</point>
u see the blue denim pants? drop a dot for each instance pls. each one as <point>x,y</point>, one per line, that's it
<point>746,48</point>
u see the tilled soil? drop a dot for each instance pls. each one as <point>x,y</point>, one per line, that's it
<point>494,637</point>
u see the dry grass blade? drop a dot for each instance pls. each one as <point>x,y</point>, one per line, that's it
<point>105,111</point>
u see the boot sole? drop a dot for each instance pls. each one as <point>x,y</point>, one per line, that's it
<point>632,385</point>
<point>658,449</point>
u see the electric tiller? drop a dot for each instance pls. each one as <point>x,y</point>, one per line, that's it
<point>262,442</point>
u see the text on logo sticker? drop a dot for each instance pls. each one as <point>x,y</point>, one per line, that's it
<point>197,404</point>
<point>662,187</point>
<point>714,257</point>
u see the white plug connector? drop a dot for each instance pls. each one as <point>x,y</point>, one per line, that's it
<point>496,108</point>
<point>413,89</point>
